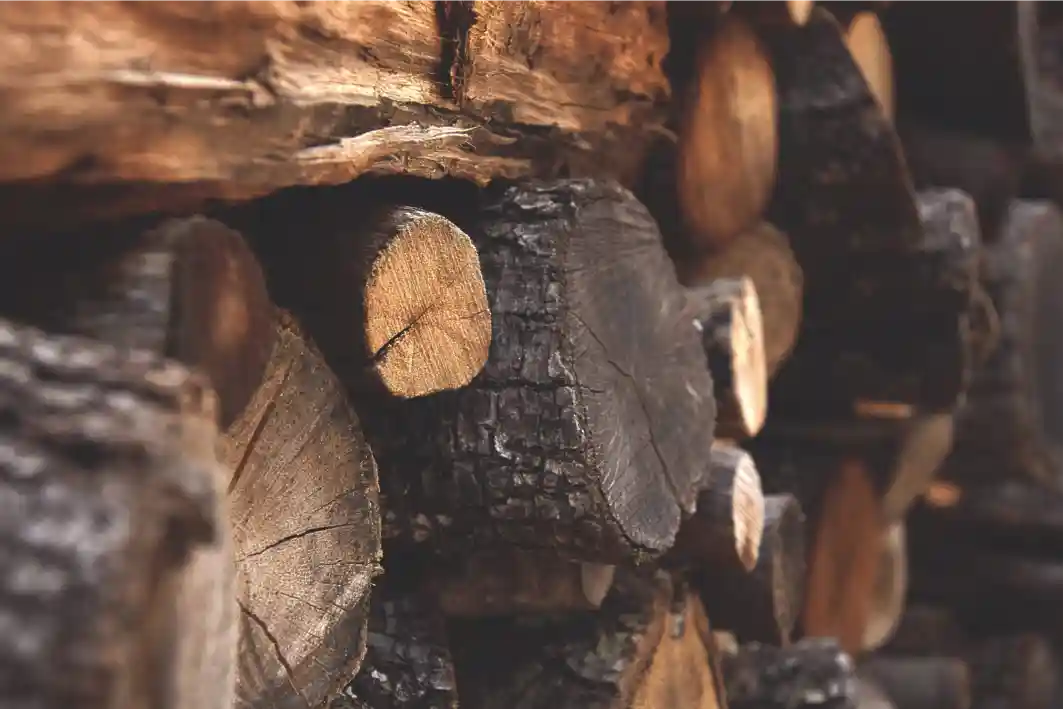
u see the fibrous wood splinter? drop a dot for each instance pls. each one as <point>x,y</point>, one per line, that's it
<point>427,324</point>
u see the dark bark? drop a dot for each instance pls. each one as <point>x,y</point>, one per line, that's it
<point>1016,671</point>
<point>590,429</point>
<point>117,579</point>
<point>814,672</point>
<point>921,682</point>
<point>763,605</point>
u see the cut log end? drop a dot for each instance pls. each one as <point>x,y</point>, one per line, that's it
<point>891,588</point>
<point>870,49</point>
<point>728,142</point>
<point>732,330</point>
<point>427,321</point>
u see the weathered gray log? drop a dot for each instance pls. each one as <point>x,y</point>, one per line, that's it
<point>921,682</point>
<point>190,289</point>
<point>407,661</point>
<point>762,605</point>
<point>1012,424</point>
<point>239,100</point>
<point>117,581</point>
<point>306,516</point>
<point>726,529</point>
<point>732,333</point>
<point>518,581</point>
<point>814,672</point>
<point>590,429</point>
<point>763,255</point>
<point>641,650</point>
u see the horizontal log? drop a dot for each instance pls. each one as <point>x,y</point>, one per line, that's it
<point>762,605</point>
<point>590,428</point>
<point>921,682</point>
<point>118,559</point>
<point>927,630</point>
<point>812,672</point>
<point>242,99</point>
<point>1020,671</point>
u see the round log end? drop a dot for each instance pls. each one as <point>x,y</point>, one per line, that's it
<point>891,588</point>
<point>747,502</point>
<point>785,523</point>
<point>728,140</point>
<point>870,49</point>
<point>427,320</point>
<point>800,11</point>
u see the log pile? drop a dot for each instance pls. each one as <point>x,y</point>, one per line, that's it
<point>440,355</point>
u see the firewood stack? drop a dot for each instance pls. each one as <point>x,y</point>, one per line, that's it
<point>528,355</point>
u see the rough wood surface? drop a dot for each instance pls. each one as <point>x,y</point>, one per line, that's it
<point>764,604</point>
<point>516,581</point>
<point>732,332</point>
<point>641,650</point>
<point>190,289</point>
<point>763,255</point>
<point>303,499</point>
<point>117,578</point>
<point>813,672</point>
<point>590,428</point>
<point>425,318</point>
<point>727,138</point>
<point>1012,424</point>
<point>407,662</point>
<point>725,531</point>
<point>921,682</point>
<point>241,99</point>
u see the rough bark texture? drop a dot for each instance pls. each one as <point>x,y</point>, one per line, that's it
<point>590,429</point>
<point>304,502</point>
<point>763,605</point>
<point>814,672</point>
<point>117,579</point>
<point>519,581</point>
<point>1012,424</point>
<point>237,100</point>
<point>763,255</point>
<point>640,650</point>
<point>190,289</point>
<point>407,662</point>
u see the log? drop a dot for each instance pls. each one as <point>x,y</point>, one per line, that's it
<point>1020,671</point>
<point>764,604</point>
<point>1012,424</point>
<point>424,313</point>
<point>921,682</point>
<point>304,502</point>
<point>726,530</point>
<point>852,349</point>
<point>732,333</point>
<point>522,582</point>
<point>924,445</point>
<point>320,94</point>
<point>764,256</point>
<point>891,587</point>
<point>870,49</point>
<point>190,289</point>
<point>589,429</point>
<point>1039,34</point>
<point>928,630</point>
<point>407,661</point>
<point>844,558</point>
<point>117,579</point>
<point>1027,516</point>
<point>784,13</point>
<point>812,672</point>
<point>727,137</point>
<point>870,696</point>
<point>641,650</point>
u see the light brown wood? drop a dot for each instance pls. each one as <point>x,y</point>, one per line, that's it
<point>521,582</point>
<point>728,524</point>
<point>844,558</point>
<point>870,48</point>
<point>732,331</point>
<point>763,255</point>
<point>426,321</point>
<point>306,527</point>
<point>891,588</point>
<point>235,100</point>
<point>925,443</point>
<point>727,143</point>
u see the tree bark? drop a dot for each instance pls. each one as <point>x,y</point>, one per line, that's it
<point>240,100</point>
<point>812,672</point>
<point>117,577</point>
<point>306,517</point>
<point>589,429</point>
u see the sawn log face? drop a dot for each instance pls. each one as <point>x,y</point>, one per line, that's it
<point>590,429</point>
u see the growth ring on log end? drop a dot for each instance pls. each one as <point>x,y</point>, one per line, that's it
<point>426,318</point>
<point>728,140</point>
